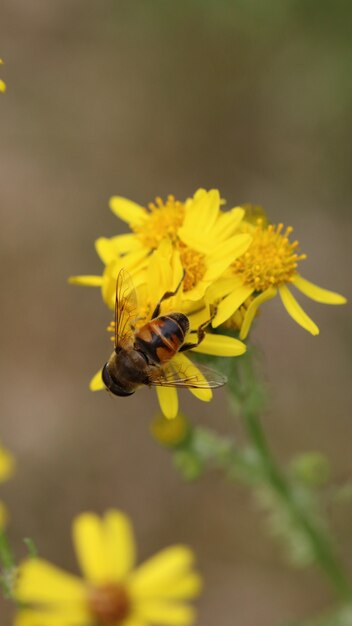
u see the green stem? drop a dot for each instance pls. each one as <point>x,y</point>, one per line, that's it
<point>319,541</point>
<point>7,564</point>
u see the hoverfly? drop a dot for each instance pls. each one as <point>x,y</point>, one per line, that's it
<point>145,356</point>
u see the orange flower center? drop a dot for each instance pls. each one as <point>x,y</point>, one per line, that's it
<point>164,220</point>
<point>271,260</point>
<point>109,604</point>
<point>193,262</point>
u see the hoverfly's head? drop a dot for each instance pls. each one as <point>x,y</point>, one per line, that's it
<point>112,384</point>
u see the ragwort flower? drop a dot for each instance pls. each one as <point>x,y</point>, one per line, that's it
<point>268,267</point>
<point>7,464</point>
<point>112,592</point>
<point>163,274</point>
<point>205,238</point>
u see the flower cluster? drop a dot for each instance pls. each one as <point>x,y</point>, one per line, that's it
<point>112,592</point>
<point>7,464</point>
<point>227,262</point>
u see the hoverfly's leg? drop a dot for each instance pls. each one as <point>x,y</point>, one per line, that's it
<point>200,336</point>
<point>167,295</point>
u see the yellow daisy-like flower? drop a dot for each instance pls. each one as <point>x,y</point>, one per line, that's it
<point>164,273</point>
<point>7,464</point>
<point>112,592</point>
<point>268,267</point>
<point>2,83</point>
<point>205,238</point>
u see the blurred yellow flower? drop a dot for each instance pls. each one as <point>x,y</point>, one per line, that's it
<point>7,464</point>
<point>266,268</point>
<point>2,83</point>
<point>112,592</point>
<point>168,432</point>
<point>164,273</point>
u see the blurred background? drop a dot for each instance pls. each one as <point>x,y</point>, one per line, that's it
<point>142,99</point>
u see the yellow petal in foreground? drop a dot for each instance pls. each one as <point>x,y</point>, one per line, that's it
<point>7,464</point>
<point>91,548</point>
<point>252,309</point>
<point>168,400</point>
<point>128,211</point>
<point>317,293</point>
<point>39,581</point>
<point>166,614</point>
<point>166,566</point>
<point>184,587</point>
<point>295,310</point>
<point>220,345</point>
<point>96,384</point>
<point>120,544</point>
<point>60,615</point>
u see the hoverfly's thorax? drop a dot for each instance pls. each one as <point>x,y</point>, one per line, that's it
<point>162,337</point>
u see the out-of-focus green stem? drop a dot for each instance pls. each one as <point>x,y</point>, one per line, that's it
<point>318,539</point>
<point>7,564</point>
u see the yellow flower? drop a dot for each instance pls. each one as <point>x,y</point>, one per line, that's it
<point>205,239</point>
<point>2,83</point>
<point>170,433</point>
<point>268,266</point>
<point>164,273</point>
<point>112,592</point>
<point>7,464</point>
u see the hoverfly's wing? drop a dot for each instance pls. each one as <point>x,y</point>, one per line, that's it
<point>126,310</point>
<point>181,372</point>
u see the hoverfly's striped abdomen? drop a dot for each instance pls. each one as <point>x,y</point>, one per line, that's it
<point>162,337</point>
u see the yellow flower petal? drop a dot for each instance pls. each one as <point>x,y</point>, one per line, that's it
<point>167,614</point>
<point>182,588</point>
<point>252,309</point>
<point>296,312</point>
<point>120,543</point>
<point>91,549</point>
<point>87,281</point>
<point>223,287</point>
<point>317,293</point>
<point>227,223</point>
<point>55,616</point>
<point>233,247</point>
<point>96,384</point>
<point>168,400</point>
<point>7,464</point>
<point>105,250</point>
<point>220,345</point>
<point>167,565</point>
<point>2,86</point>
<point>133,620</point>
<point>40,582</point>
<point>201,214</point>
<point>126,243</point>
<point>128,211</point>
<point>191,369</point>
<point>230,304</point>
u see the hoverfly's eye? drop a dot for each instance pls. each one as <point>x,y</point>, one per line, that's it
<point>112,384</point>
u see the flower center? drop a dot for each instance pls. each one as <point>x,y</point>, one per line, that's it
<point>271,260</point>
<point>109,604</point>
<point>163,221</point>
<point>193,263</point>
